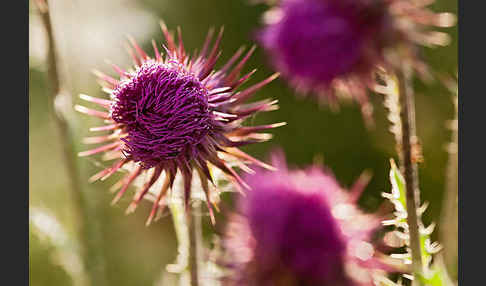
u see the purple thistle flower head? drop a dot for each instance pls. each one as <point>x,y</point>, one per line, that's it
<point>166,113</point>
<point>318,41</point>
<point>293,224</point>
<point>176,114</point>
<point>333,47</point>
<point>299,227</point>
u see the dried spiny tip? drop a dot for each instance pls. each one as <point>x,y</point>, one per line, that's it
<point>331,48</point>
<point>302,226</point>
<point>174,114</point>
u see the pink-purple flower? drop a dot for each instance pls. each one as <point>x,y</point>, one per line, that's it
<point>175,114</point>
<point>300,227</point>
<point>332,47</point>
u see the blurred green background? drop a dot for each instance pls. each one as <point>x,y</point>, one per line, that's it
<point>88,32</point>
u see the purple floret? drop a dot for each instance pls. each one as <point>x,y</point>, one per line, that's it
<point>329,48</point>
<point>291,221</point>
<point>315,40</point>
<point>176,115</point>
<point>301,228</point>
<point>165,111</point>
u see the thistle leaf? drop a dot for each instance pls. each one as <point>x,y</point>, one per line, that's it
<point>432,274</point>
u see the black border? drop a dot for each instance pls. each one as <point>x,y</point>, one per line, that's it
<point>471,172</point>
<point>15,146</point>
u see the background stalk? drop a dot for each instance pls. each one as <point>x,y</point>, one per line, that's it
<point>409,148</point>
<point>85,215</point>
<point>449,225</point>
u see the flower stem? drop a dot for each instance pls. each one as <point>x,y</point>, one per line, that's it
<point>182,233</point>
<point>409,157</point>
<point>88,226</point>
<point>194,241</point>
<point>188,231</point>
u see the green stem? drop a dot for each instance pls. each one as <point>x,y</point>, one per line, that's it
<point>194,235</point>
<point>409,143</point>
<point>187,226</point>
<point>94,263</point>
<point>182,234</point>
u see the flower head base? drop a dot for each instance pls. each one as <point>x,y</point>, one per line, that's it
<point>172,114</point>
<point>332,47</point>
<point>301,228</point>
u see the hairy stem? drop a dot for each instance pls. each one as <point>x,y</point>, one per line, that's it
<point>179,220</point>
<point>188,231</point>
<point>86,222</point>
<point>409,156</point>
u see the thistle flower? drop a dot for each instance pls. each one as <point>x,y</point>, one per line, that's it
<point>175,113</point>
<point>299,227</point>
<point>332,47</point>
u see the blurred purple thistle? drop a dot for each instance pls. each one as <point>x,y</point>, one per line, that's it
<point>332,47</point>
<point>299,227</point>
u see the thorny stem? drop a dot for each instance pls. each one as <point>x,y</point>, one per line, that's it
<point>89,239</point>
<point>408,148</point>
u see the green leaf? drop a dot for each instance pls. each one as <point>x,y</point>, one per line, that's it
<point>435,277</point>
<point>398,184</point>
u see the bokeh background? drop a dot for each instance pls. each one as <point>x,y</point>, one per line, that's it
<point>88,32</point>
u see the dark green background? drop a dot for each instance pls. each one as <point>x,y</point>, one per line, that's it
<point>135,254</point>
